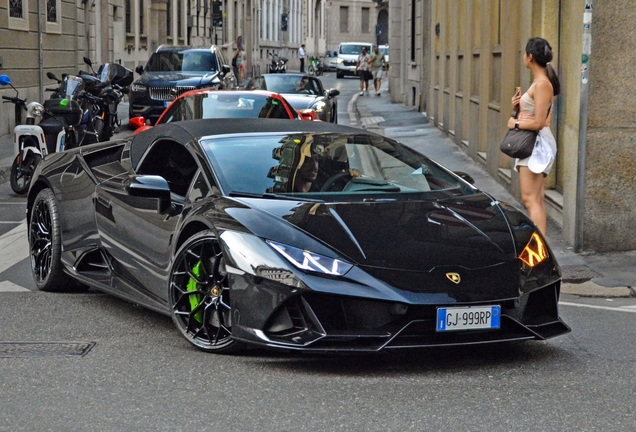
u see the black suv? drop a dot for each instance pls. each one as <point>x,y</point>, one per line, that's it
<point>172,70</point>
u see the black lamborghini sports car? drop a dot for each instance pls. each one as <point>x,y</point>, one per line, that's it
<point>292,235</point>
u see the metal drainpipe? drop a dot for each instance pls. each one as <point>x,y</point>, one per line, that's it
<point>579,221</point>
<point>40,60</point>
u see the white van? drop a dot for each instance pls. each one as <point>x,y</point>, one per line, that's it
<point>348,53</point>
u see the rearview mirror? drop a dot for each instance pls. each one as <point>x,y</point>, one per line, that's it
<point>151,186</point>
<point>466,177</point>
<point>5,80</point>
<point>333,92</point>
<point>139,69</point>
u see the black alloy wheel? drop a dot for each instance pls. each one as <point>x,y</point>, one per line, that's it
<point>199,295</point>
<point>45,246</point>
<point>21,173</point>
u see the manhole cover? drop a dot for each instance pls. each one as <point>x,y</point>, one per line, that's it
<point>44,349</point>
<point>578,273</point>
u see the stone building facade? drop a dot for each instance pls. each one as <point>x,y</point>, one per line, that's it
<point>460,60</point>
<point>351,21</point>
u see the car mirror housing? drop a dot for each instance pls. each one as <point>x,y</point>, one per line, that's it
<point>333,92</point>
<point>139,69</point>
<point>151,186</point>
<point>226,69</point>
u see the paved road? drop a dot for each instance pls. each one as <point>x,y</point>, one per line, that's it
<point>139,374</point>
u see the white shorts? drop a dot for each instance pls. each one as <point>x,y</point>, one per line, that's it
<point>377,74</point>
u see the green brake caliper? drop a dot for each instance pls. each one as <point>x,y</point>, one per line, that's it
<point>195,299</point>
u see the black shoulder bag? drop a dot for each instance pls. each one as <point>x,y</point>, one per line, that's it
<point>519,143</point>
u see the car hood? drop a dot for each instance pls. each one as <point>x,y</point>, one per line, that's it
<point>471,232</point>
<point>299,101</point>
<point>172,79</point>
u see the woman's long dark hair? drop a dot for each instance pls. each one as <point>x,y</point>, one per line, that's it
<point>542,54</point>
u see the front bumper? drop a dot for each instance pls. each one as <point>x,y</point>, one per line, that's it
<point>320,322</point>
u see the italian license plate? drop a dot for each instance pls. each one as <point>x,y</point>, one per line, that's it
<point>468,318</point>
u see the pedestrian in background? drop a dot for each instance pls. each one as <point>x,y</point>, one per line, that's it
<point>241,63</point>
<point>377,64</point>
<point>302,56</point>
<point>534,110</point>
<point>363,71</point>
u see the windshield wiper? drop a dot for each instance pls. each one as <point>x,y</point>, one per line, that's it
<point>271,196</point>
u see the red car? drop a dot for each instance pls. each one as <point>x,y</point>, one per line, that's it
<point>203,104</point>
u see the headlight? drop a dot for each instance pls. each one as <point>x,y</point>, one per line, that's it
<point>136,87</point>
<point>309,261</point>
<point>36,109</point>
<point>535,251</point>
<point>319,107</point>
<point>339,60</point>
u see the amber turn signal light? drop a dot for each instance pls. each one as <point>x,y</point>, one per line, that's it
<point>534,252</point>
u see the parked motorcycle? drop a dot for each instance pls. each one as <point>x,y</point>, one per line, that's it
<point>54,132</point>
<point>278,64</point>
<point>112,83</point>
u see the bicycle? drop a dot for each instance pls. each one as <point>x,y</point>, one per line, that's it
<point>315,66</point>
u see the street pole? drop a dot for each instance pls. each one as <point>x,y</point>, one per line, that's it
<point>579,221</point>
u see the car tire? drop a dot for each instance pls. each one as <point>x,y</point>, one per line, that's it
<point>199,295</point>
<point>45,246</point>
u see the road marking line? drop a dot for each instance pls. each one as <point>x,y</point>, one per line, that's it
<point>615,309</point>
<point>13,203</point>
<point>10,222</point>
<point>351,110</point>
<point>14,246</point>
<point>6,286</point>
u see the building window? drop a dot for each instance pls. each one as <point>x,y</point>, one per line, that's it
<point>413,30</point>
<point>365,20</point>
<point>18,14</point>
<point>142,15</point>
<point>128,21</point>
<point>179,18</point>
<point>169,18</point>
<point>344,19</point>
<point>51,11</point>
<point>16,9</point>
<point>53,18</point>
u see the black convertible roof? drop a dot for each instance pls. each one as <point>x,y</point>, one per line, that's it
<point>186,131</point>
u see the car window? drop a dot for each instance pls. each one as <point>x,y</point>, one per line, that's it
<point>345,164</point>
<point>225,105</point>
<point>172,161</point>
<point>353,49</point>
<point>285,83</point>
<point>184,61</point>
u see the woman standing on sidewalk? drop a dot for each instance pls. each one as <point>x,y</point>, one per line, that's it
<point>535,113</point>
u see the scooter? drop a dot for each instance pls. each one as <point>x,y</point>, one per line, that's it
<point>31,141</point>
<point>278,64</point>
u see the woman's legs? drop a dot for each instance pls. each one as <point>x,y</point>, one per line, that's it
<point>533,196</point>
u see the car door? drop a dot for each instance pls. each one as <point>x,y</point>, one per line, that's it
<point>134,230</point>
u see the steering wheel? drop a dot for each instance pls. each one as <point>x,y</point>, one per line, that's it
<point>331,181</point>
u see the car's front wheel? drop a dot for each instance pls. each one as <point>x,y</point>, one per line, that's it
<point>199,295</point>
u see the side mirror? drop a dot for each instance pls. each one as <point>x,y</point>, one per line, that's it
<point>137,122</point>
<point>151,186</point>
<point>307,114</point>
<point>5,80</point>
<point>466,177</point>
<point>139,69</point>
<point>51,75</point>
<point>333,93</point>
<point>88,61</point>
<point>226,69</point>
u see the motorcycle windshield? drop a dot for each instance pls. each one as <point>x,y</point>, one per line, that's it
<point>105,74</point>
<point>73,85</point>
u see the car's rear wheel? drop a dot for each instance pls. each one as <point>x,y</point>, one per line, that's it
<point>45,246</point>
<point>199,295</point>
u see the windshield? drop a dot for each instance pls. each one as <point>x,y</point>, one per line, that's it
<point>384,50</point>
<point>184,61</point>
<point>292,84</point>
<point>326,165</point>
<point>225,105</point>
<point>352,49</point>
